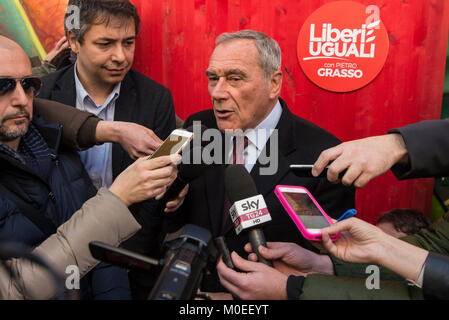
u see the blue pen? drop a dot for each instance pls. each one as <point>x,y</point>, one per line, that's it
<point>348,214</point>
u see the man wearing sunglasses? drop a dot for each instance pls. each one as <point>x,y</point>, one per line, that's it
<point>41,183</point>
<point>103,82</point>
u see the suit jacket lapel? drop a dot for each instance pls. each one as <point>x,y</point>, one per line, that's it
<point>124,111</point>
<point>215,191</point>
<point>286,145</point>
<point>65,89</point>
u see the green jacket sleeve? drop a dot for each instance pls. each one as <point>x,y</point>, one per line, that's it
<point>434,239</point>
<point>324,287</point>
<point>349,282</point>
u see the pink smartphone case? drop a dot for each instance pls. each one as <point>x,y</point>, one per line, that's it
<point>296,220</point>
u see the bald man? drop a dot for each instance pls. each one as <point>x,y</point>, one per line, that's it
<point>41,183</point>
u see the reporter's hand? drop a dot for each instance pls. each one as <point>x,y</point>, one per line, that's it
<point>359,241</point>
<point>364,159</point>
<point>260,282</point>
<point>145,179</point>
<point>174,204</point>
<point>138,141</point>
<point>61,45</point>
<point>291,259</point>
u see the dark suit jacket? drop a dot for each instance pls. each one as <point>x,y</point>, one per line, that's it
<point>300,142</point>
<point>142,101</point>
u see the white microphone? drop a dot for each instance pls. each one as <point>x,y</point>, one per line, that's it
<point>248,213</point>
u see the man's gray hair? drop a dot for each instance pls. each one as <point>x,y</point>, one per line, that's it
<point>269,50</point>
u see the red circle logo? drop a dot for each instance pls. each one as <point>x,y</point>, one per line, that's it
<point>343,46</point>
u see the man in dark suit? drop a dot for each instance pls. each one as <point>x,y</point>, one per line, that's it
<point>245,81</point>
<point>103,83</point>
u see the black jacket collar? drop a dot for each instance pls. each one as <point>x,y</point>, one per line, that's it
<point>65,88</point>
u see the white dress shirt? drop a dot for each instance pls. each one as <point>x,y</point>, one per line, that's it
<point>98,159</point>
<point>258,137</point>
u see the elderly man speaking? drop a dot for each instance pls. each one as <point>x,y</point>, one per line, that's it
<point>245,81</point>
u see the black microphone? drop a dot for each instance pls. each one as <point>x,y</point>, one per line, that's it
<point>249,210</point>
<point>186,174</point>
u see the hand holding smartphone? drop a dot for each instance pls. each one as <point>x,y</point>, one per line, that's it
<point>304,210</point>
<point>175,143</point>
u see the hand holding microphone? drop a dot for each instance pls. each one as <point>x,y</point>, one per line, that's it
<point>248,211</point>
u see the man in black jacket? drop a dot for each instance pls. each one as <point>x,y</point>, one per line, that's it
<point>102,82</point>
<point>245,81</point>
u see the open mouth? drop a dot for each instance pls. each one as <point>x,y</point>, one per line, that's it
<point>223,113</point>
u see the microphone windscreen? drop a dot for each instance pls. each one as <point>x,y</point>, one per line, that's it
<point>238,183</point>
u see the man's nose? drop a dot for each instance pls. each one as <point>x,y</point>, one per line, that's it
<point>119,54</point>
<point>19,97</point>
<point>220,90</point>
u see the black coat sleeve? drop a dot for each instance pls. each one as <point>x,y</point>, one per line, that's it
<point>436,276</point>
<point>427,143</point>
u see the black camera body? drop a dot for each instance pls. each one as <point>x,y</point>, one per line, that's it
<point>186,258</point>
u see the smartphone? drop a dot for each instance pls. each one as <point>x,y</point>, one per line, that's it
<point>176,141</point>
<point>305,170</point>
<point>304,210</point>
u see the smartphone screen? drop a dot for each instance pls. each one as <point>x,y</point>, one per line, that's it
<point>173,144</point>
<point>306,210</point>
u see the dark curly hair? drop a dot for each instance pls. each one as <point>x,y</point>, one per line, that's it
<point>408,221</point>
<point>95,12</point>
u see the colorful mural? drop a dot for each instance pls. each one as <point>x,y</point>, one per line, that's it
<point>35,24</point>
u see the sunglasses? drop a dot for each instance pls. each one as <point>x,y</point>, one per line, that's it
<point>8,85</point>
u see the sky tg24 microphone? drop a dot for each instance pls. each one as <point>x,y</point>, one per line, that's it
<point>249,210</point>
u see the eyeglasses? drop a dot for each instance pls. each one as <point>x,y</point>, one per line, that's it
<point>8,85</point>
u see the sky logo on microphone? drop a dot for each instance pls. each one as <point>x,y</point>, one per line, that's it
<point>249,213</point>
<point>250,205</point>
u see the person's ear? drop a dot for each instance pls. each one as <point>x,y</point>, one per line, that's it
<point>73,43</point>
<point>276,84</point>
